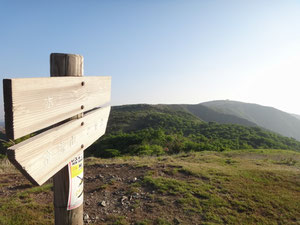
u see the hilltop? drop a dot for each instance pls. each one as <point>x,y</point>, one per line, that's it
<point>167,129</point>
<point>230,112</point>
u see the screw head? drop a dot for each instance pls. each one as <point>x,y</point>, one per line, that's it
<point>82,107</point>
<point>82,83</point>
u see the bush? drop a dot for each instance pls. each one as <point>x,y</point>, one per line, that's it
<point>147,150</point>
<point>107,153</point>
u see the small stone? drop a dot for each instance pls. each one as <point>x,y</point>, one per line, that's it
<point>103,203</point>
<point>123,199</point>
<point>86,216</point>
<point>99,176</point>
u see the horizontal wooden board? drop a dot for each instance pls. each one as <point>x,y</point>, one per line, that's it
<point>41,156</point>
<point>32,104</point>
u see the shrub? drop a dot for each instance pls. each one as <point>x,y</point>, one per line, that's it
<point>107,153</point>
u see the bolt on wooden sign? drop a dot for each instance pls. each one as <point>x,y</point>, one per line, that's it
<point>33,104</point>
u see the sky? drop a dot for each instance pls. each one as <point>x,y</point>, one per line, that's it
<point>162,51</point>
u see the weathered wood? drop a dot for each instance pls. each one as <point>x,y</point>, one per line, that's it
<point>45,154</point>
<point>65,65</point>
<point>61,191</point>
<point>32,104</point>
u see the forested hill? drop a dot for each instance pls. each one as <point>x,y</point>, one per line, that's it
<point>166,129</point>
<point>263,116</point>
<point>233,112</point>
<point>210,115</point>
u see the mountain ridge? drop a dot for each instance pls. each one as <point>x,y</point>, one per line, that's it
<point>230,112</point>
<point>236,112</point>
<point>264,116</point>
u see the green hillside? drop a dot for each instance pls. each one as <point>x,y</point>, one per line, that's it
<point>168,129</point>
<point>210,115</point>
<point>266,117</point>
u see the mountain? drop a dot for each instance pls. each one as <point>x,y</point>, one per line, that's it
<point>159,129</point>
<point>263,116</point>
<point>210,115</point>
<point>297,116</point>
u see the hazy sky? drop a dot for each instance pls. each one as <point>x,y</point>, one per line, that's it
<point>163,51</point>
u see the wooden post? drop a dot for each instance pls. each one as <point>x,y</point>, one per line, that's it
<point>65,65</point>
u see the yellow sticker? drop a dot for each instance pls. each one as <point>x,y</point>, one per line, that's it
<point>76,170</point>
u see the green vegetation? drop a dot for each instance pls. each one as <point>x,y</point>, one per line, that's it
<point>159,130</point>
<point>266,117</point>
<point>204,173</point>
<point>168,129</point>
<point>23,209</point>
<point>257,186</point>
<point>229,187</point>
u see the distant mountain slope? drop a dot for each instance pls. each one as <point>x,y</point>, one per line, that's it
<point>209,115</point>
<point>266,117</point>
<point>297,116</point>
<point>167,129</point>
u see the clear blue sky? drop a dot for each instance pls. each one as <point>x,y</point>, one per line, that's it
<point>163,51</point>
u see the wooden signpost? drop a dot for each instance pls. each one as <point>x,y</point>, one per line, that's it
<point>72,111</point>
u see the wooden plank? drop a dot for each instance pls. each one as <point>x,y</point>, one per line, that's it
<point>32,104</point>
<point>41,156</point>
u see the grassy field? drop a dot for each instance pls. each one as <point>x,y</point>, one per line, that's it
<point>19,200</point>
<point>233,187</point>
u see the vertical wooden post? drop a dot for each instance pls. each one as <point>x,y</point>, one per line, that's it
<point>65,65</point>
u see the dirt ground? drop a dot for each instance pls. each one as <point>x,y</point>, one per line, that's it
<point>254,187</point>
<point>113,194</point>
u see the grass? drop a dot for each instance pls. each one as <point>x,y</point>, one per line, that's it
<point>6,166</point>
<point>21,208</point>
<point>231,187</point>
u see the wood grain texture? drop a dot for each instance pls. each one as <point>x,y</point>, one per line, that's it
<point>65,65</point>
<point>7,97</point>
<point>32,104</point>
<point>62,215</point>
<point>41,156</point>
